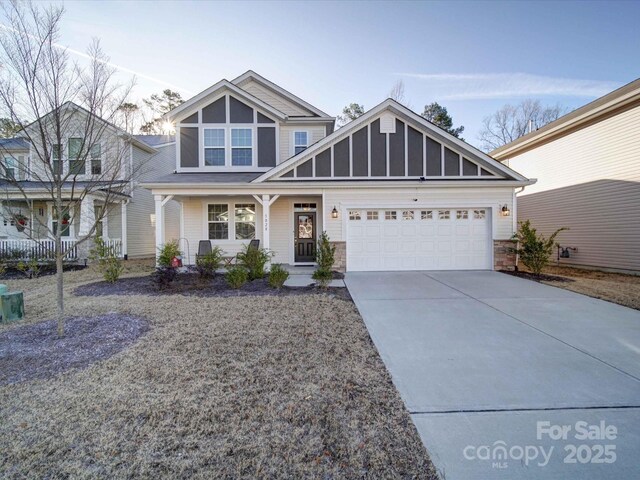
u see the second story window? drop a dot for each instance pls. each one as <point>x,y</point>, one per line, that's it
<point>76,164</point>
<point>241,147</point>
<point>9,167</point>
<point>56,156</point>
<point>214,147</point>
<point>96,159</point>
<point>300,142</point>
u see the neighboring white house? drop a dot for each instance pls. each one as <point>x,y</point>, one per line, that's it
<point>392,190</point>
<point>129,222</point>
<point>588,168</point>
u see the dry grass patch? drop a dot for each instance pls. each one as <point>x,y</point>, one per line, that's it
<point>614,287</point>
<point>250,387</point>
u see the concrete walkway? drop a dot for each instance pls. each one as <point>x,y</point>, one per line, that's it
<point>481,357</point>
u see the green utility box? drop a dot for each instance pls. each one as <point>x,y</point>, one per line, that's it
<point>11,305</point>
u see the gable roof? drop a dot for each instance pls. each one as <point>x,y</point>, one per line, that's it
<point>602,107</point>
<point>395,108</point>
<point>251,75</point>
<point>215,89</point>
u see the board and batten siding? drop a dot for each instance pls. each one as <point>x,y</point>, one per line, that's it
<point>450,198</point>
<point>589,182</point>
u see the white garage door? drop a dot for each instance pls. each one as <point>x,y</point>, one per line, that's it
<point>418,239</point>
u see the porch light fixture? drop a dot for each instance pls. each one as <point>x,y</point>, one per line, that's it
<point>505,211</point>
<point>334,212</point>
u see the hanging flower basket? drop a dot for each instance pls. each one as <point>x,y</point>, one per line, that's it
<point>21,222</point>
<point>65,219</point>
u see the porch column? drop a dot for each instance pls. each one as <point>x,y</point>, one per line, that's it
<point>123,220</point>
<point>87,222</point>
<point>266,207</point>
<point>159,223</point>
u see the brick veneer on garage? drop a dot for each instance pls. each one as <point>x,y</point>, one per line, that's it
<point>503,258</point>
<point>340,258</point>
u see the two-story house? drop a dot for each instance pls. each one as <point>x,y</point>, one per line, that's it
<point>28,216</point>
<point>392,190</point>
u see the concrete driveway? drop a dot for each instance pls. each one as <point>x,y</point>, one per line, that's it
<point>482,359</point>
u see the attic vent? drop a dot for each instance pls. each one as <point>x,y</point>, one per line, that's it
<point>387,124</point>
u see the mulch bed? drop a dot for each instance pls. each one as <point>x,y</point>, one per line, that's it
<point>12,273</point>
<point>539,278</point>
<point>37,352</point>
<point>192,284</point>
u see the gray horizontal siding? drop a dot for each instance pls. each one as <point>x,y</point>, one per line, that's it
<point>602,217</point>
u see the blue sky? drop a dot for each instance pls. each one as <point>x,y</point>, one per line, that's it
<point>472,57</point>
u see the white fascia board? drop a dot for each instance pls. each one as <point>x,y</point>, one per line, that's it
<point>250,74</point>
<point>195,100</point>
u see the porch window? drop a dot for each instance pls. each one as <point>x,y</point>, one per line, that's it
<point>56,157</point>
<point>300,142</point>
<point>245,220</point>
<point>96,159</point>
<point>76,163</point>
<point>214,147</point>
<point>218,220</point>
<point>9,164</point>
<point>64,221</point>
<point>241,147</point>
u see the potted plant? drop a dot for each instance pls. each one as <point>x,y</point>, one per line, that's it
<point>21,222</point>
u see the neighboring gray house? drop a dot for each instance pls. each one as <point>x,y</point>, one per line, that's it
<point>392,190</point>
<point>588,168</point>
<point>129,222</point>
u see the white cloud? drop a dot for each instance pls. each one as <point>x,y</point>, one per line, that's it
<point>472,86</point>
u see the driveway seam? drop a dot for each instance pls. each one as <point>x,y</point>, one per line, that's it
<point>507,410</point>
<point>535,328</point>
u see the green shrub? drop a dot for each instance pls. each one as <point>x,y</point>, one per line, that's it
<point>30,268</point>
<point>254,260</point>
<point>533,249</point>
<point>3,269</point>
<point>209,263</point>
<point>167,252</point>
<point>325,255</point>
<point>108,262</point>
<point>237,276</point>
<point>277,276</point>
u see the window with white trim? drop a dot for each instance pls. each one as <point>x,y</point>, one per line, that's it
<point>407,215</point>
<point>241,147</point>
<point>390,215</point>
<point>214,147</point>
<point>63,220</point>
<point>9,166</point>
<point>56,157</point>
<point>96,159</point>
<point>300,142</point>
<point>76,160</point>
<point>372,215</point>
<point>426,215</point>
<point>462,214</point>
<point>245,221</point>
<point>444,214</point>
<point>355,215</point>
<point>218,221</point>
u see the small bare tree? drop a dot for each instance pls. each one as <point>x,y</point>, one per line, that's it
<point>76,155</point>
<point>513,121</point>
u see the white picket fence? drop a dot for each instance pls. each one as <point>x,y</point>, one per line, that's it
<point>45,249</point>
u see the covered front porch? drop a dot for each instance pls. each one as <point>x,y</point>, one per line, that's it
<point>287,224</point>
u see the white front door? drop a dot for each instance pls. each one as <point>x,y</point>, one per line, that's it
<point>418,238</point>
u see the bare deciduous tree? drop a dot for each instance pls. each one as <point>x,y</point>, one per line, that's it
<point>513,121</point>
<point>77,157</point>
<point>397,92</point>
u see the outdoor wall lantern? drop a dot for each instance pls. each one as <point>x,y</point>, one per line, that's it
<point>505,211</point>
<point>334,212</point>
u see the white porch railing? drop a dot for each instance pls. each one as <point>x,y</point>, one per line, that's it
<point>45,249</point>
